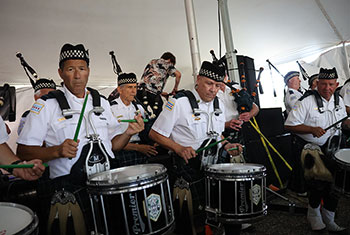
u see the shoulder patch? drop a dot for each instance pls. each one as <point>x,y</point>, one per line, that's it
<point>170,105</point>
<point>36,108</point>
<point>296,106</point>
<point>291,92</point>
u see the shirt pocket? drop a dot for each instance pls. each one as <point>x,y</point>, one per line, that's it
<point>64,129</point>
<point>101,126</point>
<point>219,123</point>
<point>197,126</point>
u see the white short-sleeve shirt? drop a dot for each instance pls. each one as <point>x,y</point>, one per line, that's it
<point>178,122</point>
<point>291,98</point>
<point>227,98</point>
<point>345,93</point>
<point>122,111</point>
<point>306,112</point>
<point>45,123</point>
<point>3,133</point>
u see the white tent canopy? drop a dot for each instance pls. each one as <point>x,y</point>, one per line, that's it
<point>139,30</point>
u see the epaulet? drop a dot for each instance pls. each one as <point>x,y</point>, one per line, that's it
<point>179,94</point>
<point>50,95</point>
<point>113,102</point>
<point>306,94</point>
<point>25,114</point>
<point>291,92</point>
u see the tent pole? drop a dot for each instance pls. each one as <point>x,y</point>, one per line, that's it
<point>230,51</point>
<point>347,63</point>
<point>192,35</point>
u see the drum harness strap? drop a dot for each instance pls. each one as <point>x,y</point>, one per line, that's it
<point>264,140</point>
<point>96,160</point>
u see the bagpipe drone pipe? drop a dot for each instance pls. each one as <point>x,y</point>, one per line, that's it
<point>8,102</point>
<point>248,95</point>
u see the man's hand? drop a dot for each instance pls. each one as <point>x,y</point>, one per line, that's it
<point>186,153</point>
<point>173,92</point>
<point>135,127</point>
<point>234,124</point>
<point>233,145</point>
<point>146,149</point>
<point>317,131</point>
<point>68,149</point>
<point>30,173</point>
<point>245,117</point>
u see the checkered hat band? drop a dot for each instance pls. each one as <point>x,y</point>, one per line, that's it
<point>44,85</point>
<point>210,74</point>
<point>327,76</point>
<point>126,81</point>
<point>74,54</point>
<point>292,75</point>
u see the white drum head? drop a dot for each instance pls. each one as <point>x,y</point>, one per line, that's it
<point>343,155</point>
<point>235,168</point>
<point>14,217</point>
<point>129,174</point>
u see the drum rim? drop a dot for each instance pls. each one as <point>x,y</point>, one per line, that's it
<point>259,169</point>
<point>339,160</point>
<point>125,188</point>
<point>32,225</point>
<point>92,182</point>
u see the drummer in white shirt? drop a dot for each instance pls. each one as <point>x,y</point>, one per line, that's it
<point>308,120</point>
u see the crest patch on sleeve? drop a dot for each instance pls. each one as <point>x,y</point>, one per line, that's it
<point>170,105</point>
<point>36,108</point>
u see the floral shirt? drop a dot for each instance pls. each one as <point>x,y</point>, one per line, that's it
<point>156,74</point>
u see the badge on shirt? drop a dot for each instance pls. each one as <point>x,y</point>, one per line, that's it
<point>36,108</point>
<point>169,105</point>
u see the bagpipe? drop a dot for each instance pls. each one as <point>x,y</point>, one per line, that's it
<point>8,102</point>
<point>243,99</point>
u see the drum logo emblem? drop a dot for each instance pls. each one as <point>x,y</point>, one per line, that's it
<point>255,194</point>
<point>154,206</point>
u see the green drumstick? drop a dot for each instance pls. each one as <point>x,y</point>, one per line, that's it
<point>131,120</point>
<point>20,166</point>
<point>80,118</point>
<point>234,148</point>
<point>211,145</point>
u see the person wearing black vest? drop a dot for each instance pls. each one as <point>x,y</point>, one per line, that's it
<point>308,120</point>
<point>125,107</point>
<point>190,120</point>
<point>54,119</point>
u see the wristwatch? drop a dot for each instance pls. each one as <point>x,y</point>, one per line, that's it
<point>10,170</point>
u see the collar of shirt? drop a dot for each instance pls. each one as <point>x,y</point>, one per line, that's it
<point>72,97</point>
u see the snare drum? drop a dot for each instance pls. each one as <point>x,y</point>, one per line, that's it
<point>132,200</point>
<point>342,176</point>
<point>235,192</point>
<point>17,219</point>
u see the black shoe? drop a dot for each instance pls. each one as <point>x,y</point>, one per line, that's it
<point>320,232</point>
<point>345,231</point>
